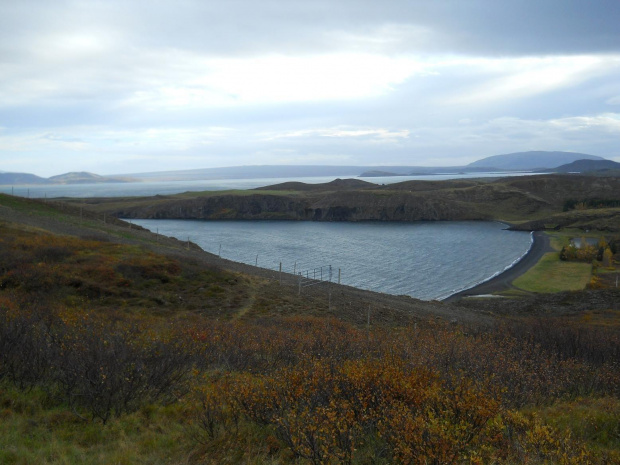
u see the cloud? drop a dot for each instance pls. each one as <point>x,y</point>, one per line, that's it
<point>379,134</point>
<point>516,78</point>
<point>124,85</point>
<point>274,79</point>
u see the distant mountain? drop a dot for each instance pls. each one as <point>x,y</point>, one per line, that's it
<point>587,166</point>
<point>83,177</point>
<point>521,161</point>
<point>21,178</point>
<point>249,172</point>
<point>531,161</point>
<point>296,171</point>
<point>378,173</point>
<point>68,178</point>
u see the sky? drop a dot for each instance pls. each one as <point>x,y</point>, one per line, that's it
<point>130,86</point>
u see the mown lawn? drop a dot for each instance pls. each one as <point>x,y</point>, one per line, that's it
<point>551,274</point>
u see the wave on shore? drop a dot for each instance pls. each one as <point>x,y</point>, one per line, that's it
<point>497,274</point>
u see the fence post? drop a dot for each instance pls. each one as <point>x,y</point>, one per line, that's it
<point>299,281</point>
<point>280,273</point>
<point>338,275</point>
<point>329,296</point>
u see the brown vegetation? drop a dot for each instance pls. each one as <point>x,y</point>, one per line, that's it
<point>104,330</point>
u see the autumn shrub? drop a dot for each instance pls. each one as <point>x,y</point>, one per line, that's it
<point>23,356</point>
<point>114,370</point>
<point>149,267</point>
<point>325,411</point>
<point>316,389</point>
<point>53,253</point>
<point>94,366</point>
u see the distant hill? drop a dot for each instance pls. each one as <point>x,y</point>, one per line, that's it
<point>9,179</point>
<point>250,172</point>
<point>531,161</point>
<point>378,173</point>
<point>516,198</point>
<point>21,178</point>
<point>83,177</point>
<point>587,166</point>
<point>335,185</point>
<point>521,161</point>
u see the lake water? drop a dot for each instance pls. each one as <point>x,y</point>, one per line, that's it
<point>423,260</point>
<point>426,260</point>
<point>175,187</point>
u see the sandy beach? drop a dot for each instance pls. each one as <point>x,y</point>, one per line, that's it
<point>501,282</point>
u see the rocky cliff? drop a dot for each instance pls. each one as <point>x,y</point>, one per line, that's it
<point>510,199</point>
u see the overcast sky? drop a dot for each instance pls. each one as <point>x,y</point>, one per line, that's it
<point>148,85</point>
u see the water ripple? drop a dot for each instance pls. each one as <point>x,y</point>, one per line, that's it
<point>427,260</point>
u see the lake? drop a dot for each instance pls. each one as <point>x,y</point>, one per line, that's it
<point>426,260</point>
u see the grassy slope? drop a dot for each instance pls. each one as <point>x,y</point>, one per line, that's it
<point>36,429</point>
<point>34,432</point>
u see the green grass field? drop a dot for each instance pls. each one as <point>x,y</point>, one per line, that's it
<point>32,431</point>
<point>553,275</point>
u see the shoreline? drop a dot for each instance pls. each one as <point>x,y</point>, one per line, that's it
<point>540,246</point>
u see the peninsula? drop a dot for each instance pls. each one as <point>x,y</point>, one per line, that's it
<point>528,202</point>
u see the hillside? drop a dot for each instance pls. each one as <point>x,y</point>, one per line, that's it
<point>336,185</point>
<point>509,199</point>
<point>248,289</point>
<point>587,166</point>
<point>83,177</point>
<point>21,178</point>
<point>118,345</point>
<point>67,178</point>
<point>530,161</point>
